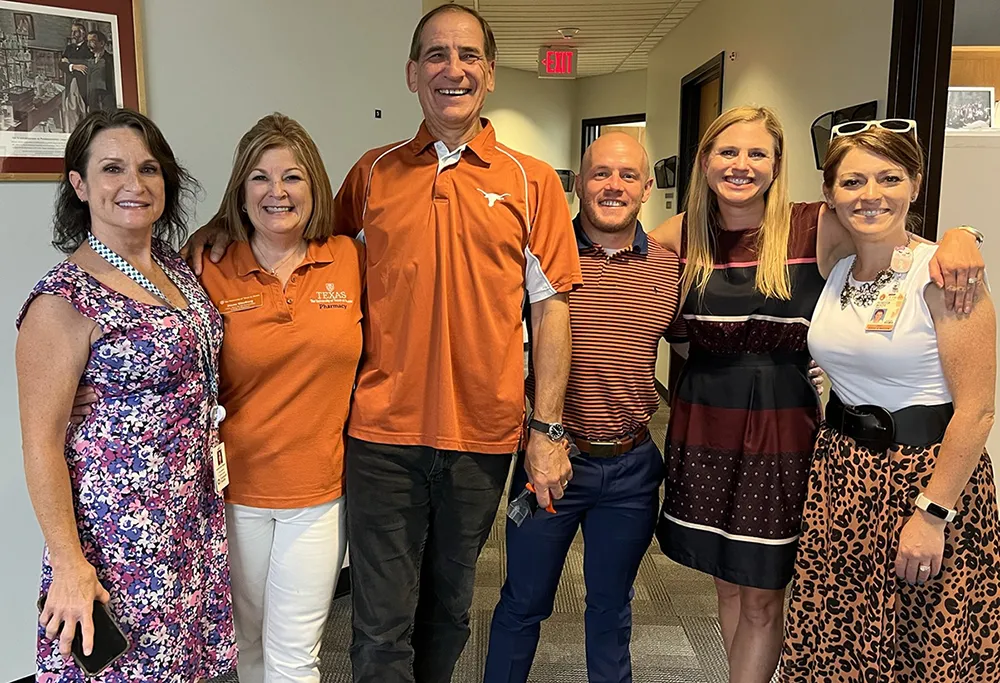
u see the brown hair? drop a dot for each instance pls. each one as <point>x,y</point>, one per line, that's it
<point>703,212</point>
<point>71,223</point>
<point>489,40</point>
<point>276,131</point>
<point>900,148</point>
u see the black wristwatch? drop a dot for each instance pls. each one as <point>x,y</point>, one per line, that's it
<point>555,431</point>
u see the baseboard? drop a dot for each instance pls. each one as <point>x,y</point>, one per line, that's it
<point>343,584</point>
<point>662,390</point>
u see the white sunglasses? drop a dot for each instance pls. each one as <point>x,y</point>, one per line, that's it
<point>892,125</point>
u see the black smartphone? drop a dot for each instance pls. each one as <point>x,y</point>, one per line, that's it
<point>110,642</point>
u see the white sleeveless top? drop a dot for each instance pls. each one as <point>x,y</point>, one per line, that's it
<point>889,369</point>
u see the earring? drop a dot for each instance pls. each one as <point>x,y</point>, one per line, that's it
<point>243,208</point>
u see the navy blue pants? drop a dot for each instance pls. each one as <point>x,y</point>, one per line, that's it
<point>616,501</point>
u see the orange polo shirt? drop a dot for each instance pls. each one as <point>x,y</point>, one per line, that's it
<point>454,249</point>
<point>288,362</point>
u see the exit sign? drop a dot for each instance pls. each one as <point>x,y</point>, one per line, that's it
<point>556,62</point>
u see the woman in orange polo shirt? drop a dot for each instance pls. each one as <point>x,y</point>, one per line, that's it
<point>290,296</point>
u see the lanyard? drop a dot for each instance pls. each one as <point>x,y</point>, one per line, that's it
<point>204,340</point>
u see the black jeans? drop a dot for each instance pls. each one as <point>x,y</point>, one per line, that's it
<point>417,519</point>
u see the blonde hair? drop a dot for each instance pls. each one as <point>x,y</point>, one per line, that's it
<point>703,212</point>
<point>272,132</point>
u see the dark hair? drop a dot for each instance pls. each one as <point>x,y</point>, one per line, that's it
<point>489,40</point>
<point>79,22</point>
<point>71,224</point>
<point>100,36</point>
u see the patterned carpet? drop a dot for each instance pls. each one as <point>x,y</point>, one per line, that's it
<point>675,637</point>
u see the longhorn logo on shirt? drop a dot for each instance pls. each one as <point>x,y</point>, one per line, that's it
<point>492,197</point>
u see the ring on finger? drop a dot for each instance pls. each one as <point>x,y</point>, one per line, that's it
<point>973,281</point>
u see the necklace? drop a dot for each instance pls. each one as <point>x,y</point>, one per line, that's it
<point>273,270</point>
<point>865,293</point>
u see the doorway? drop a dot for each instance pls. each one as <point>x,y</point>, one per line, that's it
<point>701,103</point>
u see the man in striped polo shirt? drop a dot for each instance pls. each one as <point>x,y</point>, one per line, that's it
<point>627,302</point>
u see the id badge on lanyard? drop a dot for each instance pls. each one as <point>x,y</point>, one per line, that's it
<point>216,413</point>
<point>889,304</point>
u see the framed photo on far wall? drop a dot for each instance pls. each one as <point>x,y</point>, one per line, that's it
<point>59,60</point>
<point>969,108</point>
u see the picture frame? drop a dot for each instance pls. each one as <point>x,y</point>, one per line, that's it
<point>24,25</point>
<point>970,108</point>
<point>60,59</point>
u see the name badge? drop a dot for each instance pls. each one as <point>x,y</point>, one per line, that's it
<point>886,312</point>
<point>219,467</point>
<point>243,303</point>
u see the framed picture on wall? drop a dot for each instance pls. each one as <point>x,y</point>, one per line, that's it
<point>59,60</point>
<point>969,108</point>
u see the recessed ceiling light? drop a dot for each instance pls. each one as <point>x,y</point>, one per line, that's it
<point>568,33</point>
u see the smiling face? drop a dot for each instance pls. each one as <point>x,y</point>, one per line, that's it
<point>871,194</point>
<point>613,183</point>
<point>451,76</point>
<point>278,193</point>
<point>123,183</point>
<point>741,163</point>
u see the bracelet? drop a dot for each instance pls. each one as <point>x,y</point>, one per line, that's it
<point>930,507</point>
<point>980,238</point>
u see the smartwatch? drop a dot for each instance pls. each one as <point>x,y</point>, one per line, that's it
<point>930,507</point>
<point>555,431</point>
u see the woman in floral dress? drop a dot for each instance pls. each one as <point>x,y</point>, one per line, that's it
<point>126,500</point>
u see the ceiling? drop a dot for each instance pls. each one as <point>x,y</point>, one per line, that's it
<point>614,36</point>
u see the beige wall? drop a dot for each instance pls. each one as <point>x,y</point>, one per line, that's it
<point>612,95</point>
<point>534,115</point>
<point>969,157</point>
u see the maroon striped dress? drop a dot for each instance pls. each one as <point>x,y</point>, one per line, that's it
<point>743,416</point>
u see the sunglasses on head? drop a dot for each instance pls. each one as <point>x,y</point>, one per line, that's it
<point>892,125</point>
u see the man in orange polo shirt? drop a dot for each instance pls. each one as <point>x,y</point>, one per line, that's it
<point>460,231</point>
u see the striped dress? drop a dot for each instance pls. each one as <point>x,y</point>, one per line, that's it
<point>743,416</point>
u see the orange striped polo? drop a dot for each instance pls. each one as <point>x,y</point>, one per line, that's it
<point>454,249</point>
<point>627,303</point>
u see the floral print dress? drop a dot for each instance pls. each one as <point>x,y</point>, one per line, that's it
<point>147,512</point>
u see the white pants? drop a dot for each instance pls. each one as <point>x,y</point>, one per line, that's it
<point>284,568</point>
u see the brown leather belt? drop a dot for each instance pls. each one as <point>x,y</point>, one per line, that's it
<point>611,449</point>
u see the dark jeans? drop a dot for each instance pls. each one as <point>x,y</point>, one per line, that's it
<point>417,519</point>
<point>616,500</point>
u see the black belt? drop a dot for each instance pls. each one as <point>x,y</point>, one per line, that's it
<point>877,429</point>
<point>612,448</point>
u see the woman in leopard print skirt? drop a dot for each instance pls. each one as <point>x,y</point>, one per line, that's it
<point>896,576</point>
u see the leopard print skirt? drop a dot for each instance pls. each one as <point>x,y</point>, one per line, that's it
<point>851,620</point>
